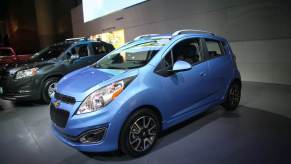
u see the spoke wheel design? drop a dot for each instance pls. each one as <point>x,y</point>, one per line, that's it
<point>52,89</point>
<point>234,95</point>
<point>140,132</point>
<point>143,133</point>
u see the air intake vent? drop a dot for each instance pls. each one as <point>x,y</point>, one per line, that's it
<point>65,99</point>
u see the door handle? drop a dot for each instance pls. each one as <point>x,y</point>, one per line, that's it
<point>203,74</point>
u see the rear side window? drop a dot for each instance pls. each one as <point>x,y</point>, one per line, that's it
<point>99,48</point>
<point>81,50</point>
<point>214,48</point>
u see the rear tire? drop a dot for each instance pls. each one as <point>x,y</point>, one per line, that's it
<point>232,97</point>
<point>139,133</point>
<point>48,89</point>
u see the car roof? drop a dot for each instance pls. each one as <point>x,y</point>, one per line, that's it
<point>181,34</point>
<point>75,41</point>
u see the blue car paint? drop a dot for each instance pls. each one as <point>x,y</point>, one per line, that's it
<point>188,96</point>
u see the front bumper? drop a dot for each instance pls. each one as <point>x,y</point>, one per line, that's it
<point>23,89</point>
<point>75,126</point>
<point>102,145</point>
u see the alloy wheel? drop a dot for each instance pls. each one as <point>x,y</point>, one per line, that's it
<point>52,89</point>
<point>143,133</point>
<point>234,95</point>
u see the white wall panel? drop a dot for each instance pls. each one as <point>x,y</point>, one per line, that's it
<point>259,30</point>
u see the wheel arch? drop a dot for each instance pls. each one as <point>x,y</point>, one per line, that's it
<point>237,80</point>
<point>149,107</point>
<point>50,76</point>
<point>46,78</point>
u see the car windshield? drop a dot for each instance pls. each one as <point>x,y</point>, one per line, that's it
<point>133,55</point>
<point>5,52</point>
<point>50,52</point>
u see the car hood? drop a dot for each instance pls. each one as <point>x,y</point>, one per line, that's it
<point>12,69</point>
<point>79,83</point>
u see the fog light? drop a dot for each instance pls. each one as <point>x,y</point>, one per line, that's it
<point>93,136</point>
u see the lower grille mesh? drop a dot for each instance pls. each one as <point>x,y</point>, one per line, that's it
<point>59,116</point>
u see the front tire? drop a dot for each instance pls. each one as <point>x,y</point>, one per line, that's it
<point>139,133</point>
<point>49,88</point>
<point>232,97</point>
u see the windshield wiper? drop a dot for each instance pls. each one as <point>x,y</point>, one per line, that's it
<point>96,66</point>
<point>106,67</point>
<point>112,67</point>
<point>134,67</point>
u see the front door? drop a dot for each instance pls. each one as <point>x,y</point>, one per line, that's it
<point>186,90</point>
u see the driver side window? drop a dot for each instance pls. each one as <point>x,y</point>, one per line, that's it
<point>188,50</point>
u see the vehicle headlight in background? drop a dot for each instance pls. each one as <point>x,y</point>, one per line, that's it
<point>103,96</point>
<point>26,73</point>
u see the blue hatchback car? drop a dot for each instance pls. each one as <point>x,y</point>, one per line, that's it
<point>154,82</point>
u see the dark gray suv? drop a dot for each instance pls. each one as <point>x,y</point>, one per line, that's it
<point>37,79</point>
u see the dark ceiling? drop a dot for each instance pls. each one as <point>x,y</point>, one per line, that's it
<point>4,5</point>
<point>18,22</point>
<point>3,8</point>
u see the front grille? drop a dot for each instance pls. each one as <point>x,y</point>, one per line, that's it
<point>65,99</point>
<point>58,116</point>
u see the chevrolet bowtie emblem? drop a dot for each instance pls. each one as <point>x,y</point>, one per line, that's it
<point>56,104</point>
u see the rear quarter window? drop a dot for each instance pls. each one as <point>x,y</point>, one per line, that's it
<point>214,48</point>
<point>100,48</point>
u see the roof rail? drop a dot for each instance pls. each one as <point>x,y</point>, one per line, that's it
<point>76,39</point>
<point>186,31</point>
<point>145,36</point>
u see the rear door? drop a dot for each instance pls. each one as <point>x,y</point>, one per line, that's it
<point>220,66</point>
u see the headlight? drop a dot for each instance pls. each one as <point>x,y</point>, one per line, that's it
<point>26,73</point>
<point>103,96</point>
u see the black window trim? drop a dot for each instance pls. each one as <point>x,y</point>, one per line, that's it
<point>202,51</point>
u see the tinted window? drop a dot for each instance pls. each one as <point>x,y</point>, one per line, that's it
<point>81,50</point>
<point>99,48</point>
<point>5,52</point>
<point>214,48</point>
<point>50,52</point>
